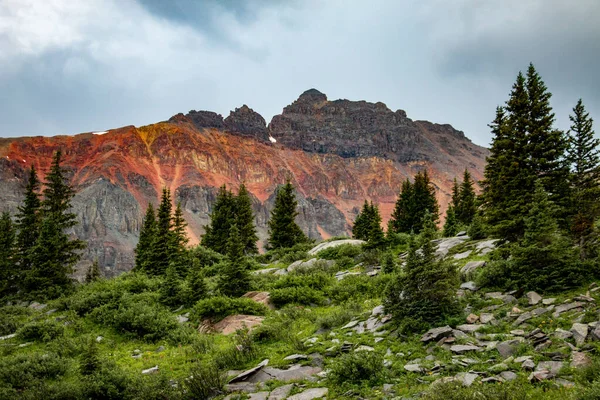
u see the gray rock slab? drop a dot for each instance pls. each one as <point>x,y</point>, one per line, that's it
<point>309,394</point>
<point>334,243</point>
<point>580,332</point>
<point>566,307</point>
<point>469,328</point>
<point>533,298</point>
<point>436,334</point>
<point>463,348</point>
<point>281,392</point>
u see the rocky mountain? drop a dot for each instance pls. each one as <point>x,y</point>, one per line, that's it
<point>337,153</point>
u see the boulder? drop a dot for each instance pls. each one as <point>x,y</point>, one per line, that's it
<point>444,245</point>
<point>562,334</point>
<point>470,267</point>
<point>508,375</point>
<point>486,318</point>
<point>472,318</point>
<point>566,307</point>
<point>553,367</point>
<point>486,246</point>
<point>507,348</point>
<point>259,396</point>
<point>469,328</point>
<point>334,243</point>
<point>296,357</point>
<point>232,323</point>
<point>463,348</point>
<point>595,334</point>
<point>153,370</point>
<point>37,306</point>
<point>413,368</point>
<point>309,394</point>
<point>580,360</point>
<point>533,298</point>
<point>281,392</point>
<point>249,372</point>
<point>461,256</point>
<point>469,286</point>
<point>466,378</point>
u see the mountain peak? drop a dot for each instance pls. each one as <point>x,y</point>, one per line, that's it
<point>312,96</point>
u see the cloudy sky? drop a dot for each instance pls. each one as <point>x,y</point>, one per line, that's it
<point>76,66</point>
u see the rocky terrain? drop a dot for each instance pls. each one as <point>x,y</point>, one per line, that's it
<point>337,154</point>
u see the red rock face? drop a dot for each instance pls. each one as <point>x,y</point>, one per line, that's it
<point>119,172</point>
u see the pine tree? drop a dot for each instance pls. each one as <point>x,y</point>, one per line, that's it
<point>179,258</point>
<point>451,225</point>
<point>424,201</point>
<point>222,218</point>
<point>455,195</point>
<point>245,220</point>
<point>375,235</point>
<point>93,273</point>
<point>235,279</point>
<point>543,259</point>
<point>361,223</point>
<point>196,286</point>
<point>403,215</point>
<point>90,359</point>
<point>54,253</point>
<point>8,268</point>
<point>584,157</point>
<point>28,223</point>
<point>162,246</point>
<point>546,145</point>
<point>284,232</point>
<point>388,264</point>
<point>143,250</point>
<point>170,292</point>
<point>466,209</point>
<point>477,230</point>
<point>425,292</point>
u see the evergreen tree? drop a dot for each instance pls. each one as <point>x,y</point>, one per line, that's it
<point>424,201</point>
<point>477,229</point>
<point>245,220</point>
<point>179,258</point>
<point>196,286</point>
<point>55,253</point>
<point>222,218</point>
<point>388,264</point>
<point>283,230</point>
<point>425,292</point>
<point>375,235</point>
<point>143,250</point>
<point>361,223</point>
<point>93,273</point>
<point>584,157</point>
<point>235,279</point>
<point>28,222</point>
<point>466,206</point>
<point>8,267</point>
<point>170,292</point>
<point>451,225</point>
<point>403,215</point>
<point>162,246</point>
<point>544,259</point>
<point>90,359</point>
<point>455,195</point>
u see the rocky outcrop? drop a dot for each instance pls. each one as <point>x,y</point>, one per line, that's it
<point>337,154</point>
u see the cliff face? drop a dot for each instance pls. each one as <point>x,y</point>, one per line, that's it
<point>337,154</point>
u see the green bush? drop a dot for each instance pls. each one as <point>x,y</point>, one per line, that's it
<point>26,370</point>
<point>12,318</point>
<point>359,287</point>
<point>138,315</point>
<point>338,317</point>
<point>43,331</point>
<point>335,253</point>
<point>296,295</point>
<point>218,307</point>
<point>314,280</point>
<point>357,368</point>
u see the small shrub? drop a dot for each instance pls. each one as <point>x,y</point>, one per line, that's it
<point>241,351</point>
<point>43,331</point>
<point>353,368</point>
<point>314,280</point>
<point>218,307</point>
<point>12,318</point>
<point>206,381</point>
<point>296,295</point>
<point>335,253</point>
<point>25,370</point>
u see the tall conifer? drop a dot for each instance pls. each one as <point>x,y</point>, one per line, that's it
<point>361,223</point>
<point>466,205</point>
<point>424,201</point>
<point>403,214</point>
<point>162,246</point>
<point>235,280</point>
<point>284,232</point>
<point>8,267</point>
<point>143,250</point>
<point>28,222</point>
<point>244,217</point>
<point>222,218</point>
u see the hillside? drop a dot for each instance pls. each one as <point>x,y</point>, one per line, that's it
<point>337,154</point>
<point>331,338</point>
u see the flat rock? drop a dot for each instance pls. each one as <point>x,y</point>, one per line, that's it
<point>12,335</point>
<point>364,348</point>
<point>553,367</point>
<point>377,310</point>
<point>595,334</point>
<point>507,348</point>
<point>562,334</point>
<point>469,286</point>
<point>548,301</point>
<point>470,267</point>
<point>259,396</point>
<point>281,392</point>
<point>580,332</point>
<point>37,306</point>
<point>533,298</point>
<point>260,297</point>
<point>522,318</point>
<point>436,334</point>
<point>350,324</point>
<point>486,318</point>
<point>466,378</point>
<point>508,375</point>
<point>463,255</point>
<point>413,368</point>
<point>296,357</point>
<point>528,365</point>
<point>580,360</point>
<point>232,323</point>
<point>566,307</point>
<point>296,372</point>
<point>334,243</point>
<point>444,245</point>
<point>248,373</point>
<point>264,271</point>
<point>149,371</point>
<point>309,394</point>
<point>486,246</point>
<point>463,348</point>
<point>469,328</point>
<point>472,318</point>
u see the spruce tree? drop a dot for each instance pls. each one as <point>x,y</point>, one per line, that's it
<point>170,292</point>
<point>8,268</point>
<point>466,209</point>
<point>179,258</point>
<point>90,359</point>
<point>93,273</point>
<point>477,229</point>
<point>162,246</point>
<point>196,286</point>
<point>375,235</point>
<point>361,223</point>
<point>244,217</point>
<point>425,293</point>
<point>55,253</point>
<point>544,259</point>
<point>388,264</point>
<point>143,250</point>
<point>284,232</point>
<point>451,225</point>
<point>584,158</point>
<point>235,279</point>
<point>28,222</point>
<point>403,214</point>
<point>455,195</point>
<point>222,218</point>
<point>424,201</point>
